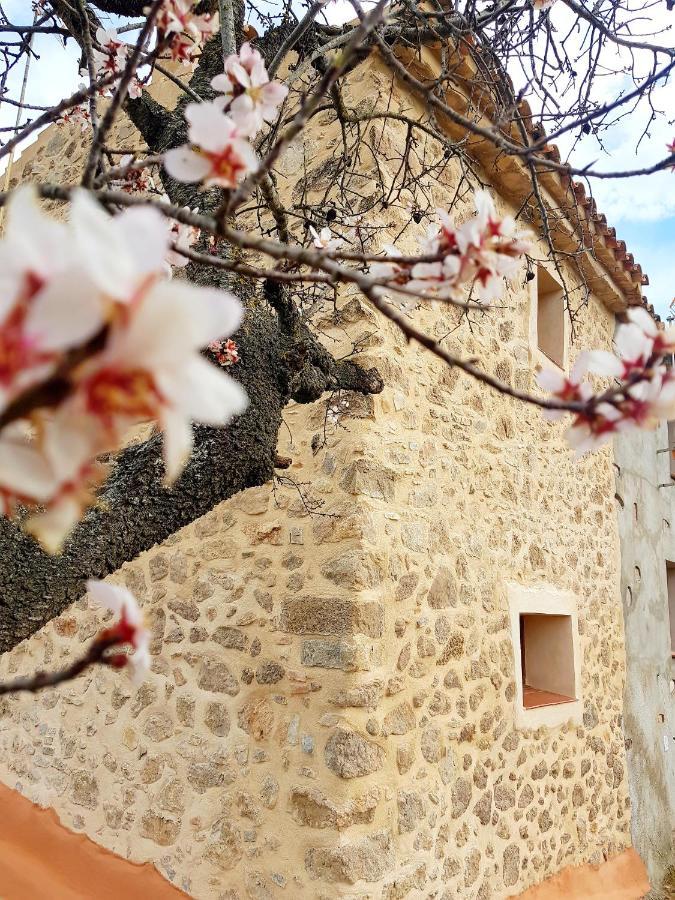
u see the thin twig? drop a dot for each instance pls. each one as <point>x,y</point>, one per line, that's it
<point>40,680</point>
<point>119,96</point>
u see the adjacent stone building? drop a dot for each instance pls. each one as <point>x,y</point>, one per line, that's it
<point>411,686</point>
<point>646,508</point>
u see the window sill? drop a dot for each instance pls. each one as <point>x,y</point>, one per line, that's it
<point>533,698</point>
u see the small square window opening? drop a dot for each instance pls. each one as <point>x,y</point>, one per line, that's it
<point>547,659</point>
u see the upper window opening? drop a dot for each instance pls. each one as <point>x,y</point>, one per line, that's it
<point>547,659</point>
<point>550,317</point>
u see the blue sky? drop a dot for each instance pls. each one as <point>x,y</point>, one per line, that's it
<point>653,245</point>
<point>641,209</point>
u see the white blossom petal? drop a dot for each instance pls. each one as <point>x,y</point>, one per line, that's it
<point>24,470</point>
<point>222,83</point>
<point>113,597</point>
<point>209,127</point>
<point>551,381</point>
<point>139,664</point>
<point>38,243</point>
<point>602,362</point>
<point>184,164</point>
<point>52,527</point>
<point>639,316</point>
<point>103,250</point>
<point>65,313</point>
<point>146,234</point>
<point>204,392</point>
<point>632,343</point>
<point>177,442</point>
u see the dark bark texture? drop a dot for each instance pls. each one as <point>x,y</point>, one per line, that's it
<point>136,510</point>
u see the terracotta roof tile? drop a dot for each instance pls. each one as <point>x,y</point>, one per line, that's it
<point>595,220</point>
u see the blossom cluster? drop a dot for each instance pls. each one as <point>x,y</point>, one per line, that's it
<point>225,352</point>
<point>134,180</point>
<point>644,393</point>
<point>182,237</point>
<point>112,58</point>
<point>129,629</point>
<point>481,252</point>
<point>219,152</point>
<point>183,31</point>
<point>98,284</point>
<point>178,27</point>
<point>76,115</point>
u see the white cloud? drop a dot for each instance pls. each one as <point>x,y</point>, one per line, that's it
<point>643,197</point>
<point>623,146</point>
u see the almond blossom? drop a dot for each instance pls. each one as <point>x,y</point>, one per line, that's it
<point>184,31</point>
<point>135,88</point>
<point>135,180</point>
<point>644,391</point>
<point>636,342</point>
<point>121,255</point>
<point>129,629</point>
<point>436,278</point>
<point>568,388</point>
<point>76,115</point>
<point>481,252</point>
<point>112,57</point>
<point>49,467</point>
<point>251,98</point>
<point>218,153</point>
<point>671,149</point>
<point>388,270</point>
<point>324,240</point>
<point>44,310</point>
<point>182,238</point>
<point>225,352</point>
<point>99,276</point>
<point>151,369</point>
<point>593,432</point>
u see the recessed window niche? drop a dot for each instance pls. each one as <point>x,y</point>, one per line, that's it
<point>550,317</point>
<point>548,321</point>
<point>545,635</point>
<point>546,659</point>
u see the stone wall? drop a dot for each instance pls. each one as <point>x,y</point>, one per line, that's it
<point>331,708</point>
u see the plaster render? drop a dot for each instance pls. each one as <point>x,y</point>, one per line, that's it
<point>332,706</point>
<point>646,515</point>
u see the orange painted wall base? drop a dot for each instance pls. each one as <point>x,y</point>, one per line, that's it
<point>621,878</point>
<point>41,858</point>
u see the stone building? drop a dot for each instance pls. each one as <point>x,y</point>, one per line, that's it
<point>646,505</point>
<point>416,691</point>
